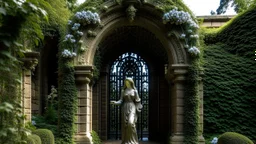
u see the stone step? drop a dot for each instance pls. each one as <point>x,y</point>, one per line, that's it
<point>119,142</point>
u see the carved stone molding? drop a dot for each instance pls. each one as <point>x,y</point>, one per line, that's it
<point>177,72</point>
<point>30,60</point>
<point>83,74</point>
<point>131,12</point>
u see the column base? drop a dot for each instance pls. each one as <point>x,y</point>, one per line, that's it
<point>177,139</point>
<point>201,140</point>
<point>83,138</point>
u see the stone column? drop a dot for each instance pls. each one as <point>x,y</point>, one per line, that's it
<point>83,75</point>
<point>201,139</point>
<point>176,75</point>
<point>29,63</point>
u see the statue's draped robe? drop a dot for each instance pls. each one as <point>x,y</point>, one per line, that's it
<point>130,107</point>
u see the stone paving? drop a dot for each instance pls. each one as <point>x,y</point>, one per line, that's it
<point>119,142</point>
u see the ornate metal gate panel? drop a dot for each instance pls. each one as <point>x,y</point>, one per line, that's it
<point>128,65</point>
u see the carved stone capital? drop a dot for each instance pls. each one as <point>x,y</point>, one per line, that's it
<point>30,60</point>
<point>132,2</point>
<point>177,72</point>
<point>83,74</point>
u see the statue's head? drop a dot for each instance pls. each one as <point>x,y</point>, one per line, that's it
<point>128,83</point>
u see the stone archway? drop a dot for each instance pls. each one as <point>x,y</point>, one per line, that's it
<point>174,71</point>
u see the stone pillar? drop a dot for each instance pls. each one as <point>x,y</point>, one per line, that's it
<point>29,63</point>
<point>176,75</point>
<point>83,75</point>
<point>201,139</point>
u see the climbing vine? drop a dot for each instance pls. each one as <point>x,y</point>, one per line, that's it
<point>190,38</point>
<point>71,46</point>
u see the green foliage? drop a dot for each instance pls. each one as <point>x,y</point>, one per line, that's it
<point>67,100</point>
<point>92,5</point>
<point>239,5</point>
<point>191,104</point>
<point>167,5</point>
<point>50,119</point>
<point>229,82</point>
<point>33,139</point>
<point>233,138</point>
<point>58,16</point>
<point>229,92</point>
<point>240,34</point>
<point>14,15</point>
<point>46,136</point>
<point>95,137</point>
<point>42,122</point>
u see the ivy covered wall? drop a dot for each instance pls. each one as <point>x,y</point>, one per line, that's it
<point>230,76</point>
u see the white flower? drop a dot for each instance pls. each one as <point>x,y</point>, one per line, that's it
<point>190,31</point>
<point>87,17</point>
<point>194,36</point>
<point>68,37</point>
<point>70,22</point>
<point>186,46</point>
<point>183,36</point>
<point>75,26</point>
<point>67,54</point>
<point>80,33</point>
<point>214,140</point>
<point>33,122</point>
<point>177,17</point>
<point>194,50</point>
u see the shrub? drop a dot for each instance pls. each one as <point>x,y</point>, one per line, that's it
<point>30,140</point>
<point>233,138</point>
<point>46,136</point>
<point>95,138</point>
<point>33,139</point>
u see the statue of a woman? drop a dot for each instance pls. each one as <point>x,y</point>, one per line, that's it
<point>131,105</point>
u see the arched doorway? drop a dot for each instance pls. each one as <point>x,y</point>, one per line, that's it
<point>133,66</point>
<point>167,61</point>
<point>132,51</point>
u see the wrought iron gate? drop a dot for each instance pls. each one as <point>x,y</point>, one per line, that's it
<point>128,65</point>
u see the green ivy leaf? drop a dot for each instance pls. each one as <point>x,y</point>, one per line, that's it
<point>3,11</point>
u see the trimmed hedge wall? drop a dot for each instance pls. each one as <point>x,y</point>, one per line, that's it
<point>33,139</point>
<point>230,77</point>
<point>46,136</point>
<point>233,138</point>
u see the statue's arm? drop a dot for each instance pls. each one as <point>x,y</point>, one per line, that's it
<point>120,101</point>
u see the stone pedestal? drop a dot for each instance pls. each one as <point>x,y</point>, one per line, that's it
<point>83,75</point>
<point>29,62</point>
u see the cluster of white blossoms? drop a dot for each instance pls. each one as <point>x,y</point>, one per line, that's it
<point>195,36</point>
<point>177,17</point>
<point>81,18</point>
<point>67,54</point>
<point>194,50</point>
<point>183,36</point>
<point>87,17</point>
<point>70,38</point>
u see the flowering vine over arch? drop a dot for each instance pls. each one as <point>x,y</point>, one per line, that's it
<point>188,26</point>
<point>72,39</point>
